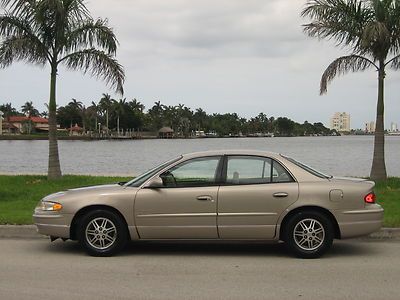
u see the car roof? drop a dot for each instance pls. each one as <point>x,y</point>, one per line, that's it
<point>231,152</point>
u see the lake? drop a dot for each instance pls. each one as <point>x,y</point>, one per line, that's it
<point>341,156</point>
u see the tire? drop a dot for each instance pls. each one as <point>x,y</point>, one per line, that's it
<point>102,233</point>
<point>309,234</point>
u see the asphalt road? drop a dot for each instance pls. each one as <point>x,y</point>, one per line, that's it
<point>354,269</point>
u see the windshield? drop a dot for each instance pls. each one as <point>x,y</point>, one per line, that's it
<point>138,181</point>
<point>307,168</point>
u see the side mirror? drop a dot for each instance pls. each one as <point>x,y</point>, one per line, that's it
<point>155,183</point>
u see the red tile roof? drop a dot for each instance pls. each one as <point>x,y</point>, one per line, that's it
<point>75,128</point>
<point>18,119</point>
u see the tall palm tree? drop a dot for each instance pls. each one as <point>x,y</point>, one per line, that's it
<point>58,32</point>
<point>105,105</point>
<point>371,30</point>
<point>95,110</point>
<point>80,109</point>
<point>119,110</point>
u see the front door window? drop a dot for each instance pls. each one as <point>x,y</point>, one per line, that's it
<point>192,173</point>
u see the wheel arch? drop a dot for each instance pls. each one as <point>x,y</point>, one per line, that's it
<point>319,209</point>
<point>84,210</point>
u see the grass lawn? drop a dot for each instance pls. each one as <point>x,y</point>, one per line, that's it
<point>20,194</point>
<point>388,195</point>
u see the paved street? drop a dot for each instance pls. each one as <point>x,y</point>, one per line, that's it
<point>355,269</point>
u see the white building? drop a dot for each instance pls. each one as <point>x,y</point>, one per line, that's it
<point>340,122</point>
<point>370,127</point>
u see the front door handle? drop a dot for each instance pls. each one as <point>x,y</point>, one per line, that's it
<point>280,195</point>
<point>205,198</point>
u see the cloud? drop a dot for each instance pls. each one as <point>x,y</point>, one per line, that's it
<point>205,29</point>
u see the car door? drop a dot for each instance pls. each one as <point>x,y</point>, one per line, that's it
<point>185,207</point>
<point>255,193</point>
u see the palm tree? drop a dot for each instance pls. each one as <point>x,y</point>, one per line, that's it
<point>371,29</point>
<point>105,105</point>
<point>80,109</point>
<point>29,110</point>
<point>58,32</point>
<point>95,111</point>
<point>119,110</point>
<point>8,110</point>
<point>136,105</point>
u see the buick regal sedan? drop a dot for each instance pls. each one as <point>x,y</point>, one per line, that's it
<point>219,195</point>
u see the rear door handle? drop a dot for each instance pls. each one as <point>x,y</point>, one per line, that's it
<point>205,198</point>
<point>280,195</point>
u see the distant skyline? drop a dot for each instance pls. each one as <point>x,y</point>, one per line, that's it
<point>224,56</point>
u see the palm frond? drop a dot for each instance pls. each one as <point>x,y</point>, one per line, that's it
<point>21,48</point>
<point>77,9</point>
<point>343,65</point>
<point>337,19</point>
<point>90,33</point>
<point>11,25</point>
<point>394,62</point>
<point>99,64</point>
<point>19,7</point>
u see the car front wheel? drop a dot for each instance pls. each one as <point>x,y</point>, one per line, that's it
<point>102,233</point>
<point>309,234</point>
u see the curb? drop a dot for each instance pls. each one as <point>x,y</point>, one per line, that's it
<point>30,232</point>
<point>19,232</point>
<point>386,233</point>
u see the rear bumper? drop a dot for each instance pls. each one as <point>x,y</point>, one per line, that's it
<point>355,223</point>
<point>57,225</point>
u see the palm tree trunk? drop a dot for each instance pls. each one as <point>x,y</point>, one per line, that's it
<point>54,170</point>
<point>378,170</point>
<point>107,121</point>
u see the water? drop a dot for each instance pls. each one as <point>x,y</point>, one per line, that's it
<point>341,156</point>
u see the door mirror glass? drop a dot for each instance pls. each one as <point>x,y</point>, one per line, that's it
<point>155,183</point>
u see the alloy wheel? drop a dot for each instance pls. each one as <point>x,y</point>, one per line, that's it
<point>101,233</point>
<point>309,234</point>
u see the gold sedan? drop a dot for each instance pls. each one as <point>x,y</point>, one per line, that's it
<point>218,195</point>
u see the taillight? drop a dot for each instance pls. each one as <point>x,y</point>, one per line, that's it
<point>370,198</point>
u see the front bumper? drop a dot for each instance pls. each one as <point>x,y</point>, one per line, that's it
<point>355,223</point>
<point>53,223</point>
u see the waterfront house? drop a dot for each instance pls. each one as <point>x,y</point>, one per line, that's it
<point>25,124</point>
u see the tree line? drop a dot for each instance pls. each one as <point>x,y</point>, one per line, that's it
<point>110,115</point>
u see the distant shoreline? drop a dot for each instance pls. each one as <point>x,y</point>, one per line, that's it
<point>87,138</point>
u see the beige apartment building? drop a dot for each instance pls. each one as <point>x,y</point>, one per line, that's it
<point>341,122</point>
<point>370,127</point>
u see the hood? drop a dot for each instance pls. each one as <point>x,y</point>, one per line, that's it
<point>96,188</point>
<point>99,190</point>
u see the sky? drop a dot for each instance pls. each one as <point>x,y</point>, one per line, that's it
<point>223,56</point>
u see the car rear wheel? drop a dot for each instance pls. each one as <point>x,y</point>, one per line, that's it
<point>102,233</point>
<point>309,234</point>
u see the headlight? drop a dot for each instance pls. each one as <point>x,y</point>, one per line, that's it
<point>49,206</point>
